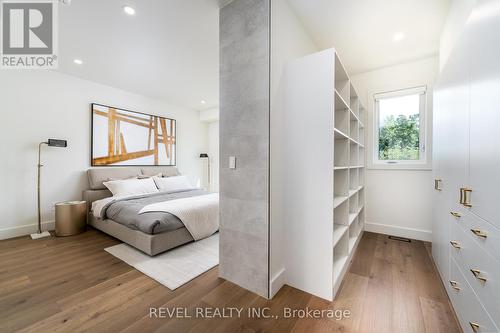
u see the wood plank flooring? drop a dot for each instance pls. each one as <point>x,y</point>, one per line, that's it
<point>71,285</point>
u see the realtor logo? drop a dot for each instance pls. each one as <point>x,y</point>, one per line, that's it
<point>29,34</point>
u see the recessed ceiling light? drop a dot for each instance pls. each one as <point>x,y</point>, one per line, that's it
<point>398,36</point>
<point>203,102</point>
<point>129,10</point>
<point>78,61</point>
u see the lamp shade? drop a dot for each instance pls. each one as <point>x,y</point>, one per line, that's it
<point>203,155</point>
<point>57,143</point>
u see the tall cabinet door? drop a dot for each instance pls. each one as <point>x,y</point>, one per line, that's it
<point>440,231</point>
<point>451,148</point>
<point>455,117</point>
<point>485,113</point>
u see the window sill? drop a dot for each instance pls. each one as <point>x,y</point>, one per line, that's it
<point>400,166</point>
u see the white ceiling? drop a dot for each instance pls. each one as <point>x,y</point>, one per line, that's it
<point>168,50</point>
<point>362,30</point>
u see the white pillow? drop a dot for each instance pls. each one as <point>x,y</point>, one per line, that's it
<point>175,183</point>
<point>129,187</point>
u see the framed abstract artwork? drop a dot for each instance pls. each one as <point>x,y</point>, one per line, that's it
<point>127,138</point>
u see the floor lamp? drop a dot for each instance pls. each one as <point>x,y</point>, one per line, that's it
<point>50,143</point>
<point>204,155</point>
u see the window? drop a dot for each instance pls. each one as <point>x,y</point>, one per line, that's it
<point>400,128</point>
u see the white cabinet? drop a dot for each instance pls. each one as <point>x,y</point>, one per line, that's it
<point>485,115</point>
<point>467,164</point>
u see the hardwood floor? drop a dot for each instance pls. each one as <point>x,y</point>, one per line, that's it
<point>72,285</point>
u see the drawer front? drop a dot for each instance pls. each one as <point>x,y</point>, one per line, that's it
<point>473,317</point>
<point>485,280</point>
<point>483,233</point>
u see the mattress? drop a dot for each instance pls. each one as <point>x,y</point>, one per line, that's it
<point>126,212</point>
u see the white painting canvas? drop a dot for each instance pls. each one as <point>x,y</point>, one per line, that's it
<point>122,137</point>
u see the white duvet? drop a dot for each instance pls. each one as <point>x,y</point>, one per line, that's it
<point>199,214</point>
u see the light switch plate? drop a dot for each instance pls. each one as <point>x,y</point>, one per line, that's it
<point>232,162</point>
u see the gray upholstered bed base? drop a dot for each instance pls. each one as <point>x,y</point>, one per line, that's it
<point>149,244</point>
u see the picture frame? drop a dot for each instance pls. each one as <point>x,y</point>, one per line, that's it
<point>122,137</point>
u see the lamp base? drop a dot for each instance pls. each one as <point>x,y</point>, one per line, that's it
<point>42,235</point>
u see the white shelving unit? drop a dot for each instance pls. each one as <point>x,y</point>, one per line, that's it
<point>325,122</point>
<point>355,173</point>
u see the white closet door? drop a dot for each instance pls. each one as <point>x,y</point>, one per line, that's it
<point>455,115</point>
<point>440,232</point>
<point>485,112</point>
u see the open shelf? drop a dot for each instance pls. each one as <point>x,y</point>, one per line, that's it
<point>361,219</point>
<point>341,153</point>
<point>353,203</point>
<point>338,134</point>
<point>361,155</point>
<point>352,217</point>
<point>339,231</point>
<point>340,102</point>
<point>353,154</point>
<point>354,130</point>
<point>354,239</point>
<point>342,84</point>
<point>342,120</point>
<point>354,101</point>
<point>353,179</point>
<point>341,214</point>
<point>361,198</point>
<point>338,200</point>
<point>340,255</point>
<point>340,182</point>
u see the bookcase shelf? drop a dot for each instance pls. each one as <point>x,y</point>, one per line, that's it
<point>335,133</point>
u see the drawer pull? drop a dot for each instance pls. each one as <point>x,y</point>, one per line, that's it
<point>465,196</point>
<point>437,184</point>
<point>475,326</point>
<point>454,285</point>
<point>479,233</point>
<point>456,214</point>
<point>455,244</point>
<point>477,275</point>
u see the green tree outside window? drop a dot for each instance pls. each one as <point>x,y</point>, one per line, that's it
<point>399,138</point>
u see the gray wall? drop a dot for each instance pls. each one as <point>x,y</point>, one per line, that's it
<point>244,133</point>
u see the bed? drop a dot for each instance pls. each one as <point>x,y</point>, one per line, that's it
<point>151,232</point>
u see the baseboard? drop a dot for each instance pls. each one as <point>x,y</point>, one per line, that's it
<point>277,281</point>
<point>419,234</point>
<point>23,230</point>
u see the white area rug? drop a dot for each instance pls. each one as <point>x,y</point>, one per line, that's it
<point>175,267</point>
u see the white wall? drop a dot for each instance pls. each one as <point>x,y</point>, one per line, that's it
<point>454,26</point>
<point>398,202</point>
<point>37,105</point>
<point>211,117</point>
<point>213,152</point>
<point>289,40</point>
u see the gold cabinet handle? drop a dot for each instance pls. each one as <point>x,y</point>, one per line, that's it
<point>456,214</point>
<point>455,244</point>
<point>437,184</point>
<point>465,196</point>
<point>477,275</point>
<point>475,326</point>
<point>454,285</point>
<point>479,233</point>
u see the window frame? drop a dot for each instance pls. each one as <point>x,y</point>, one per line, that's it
<point>424,163</point>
